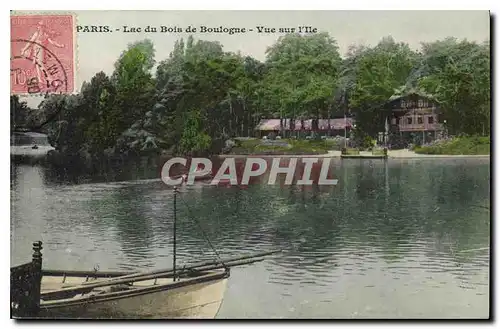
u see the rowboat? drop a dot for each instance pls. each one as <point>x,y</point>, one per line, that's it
<point>29,147</point>
<point>193,296</point>
<point>194,291</point>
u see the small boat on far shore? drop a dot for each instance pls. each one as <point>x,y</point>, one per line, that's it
<point>29,147</point>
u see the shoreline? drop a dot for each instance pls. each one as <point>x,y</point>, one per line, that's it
<point>407,154</point>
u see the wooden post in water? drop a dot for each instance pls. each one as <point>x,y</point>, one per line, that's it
<point>175,231</point>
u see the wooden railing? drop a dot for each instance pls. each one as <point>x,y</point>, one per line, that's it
<point>25,285</point>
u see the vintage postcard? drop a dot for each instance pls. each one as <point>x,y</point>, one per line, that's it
<point>250,164</point>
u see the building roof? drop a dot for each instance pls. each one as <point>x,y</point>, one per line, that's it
<point>274,124</point>
<point>413,91</point>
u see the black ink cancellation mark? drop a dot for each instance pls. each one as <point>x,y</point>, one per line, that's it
<point>40,71</point>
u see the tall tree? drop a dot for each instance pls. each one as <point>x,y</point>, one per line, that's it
<point>302,75</point>
<point>135,93</point>
<point>458,74</point>
<point>379,72</point>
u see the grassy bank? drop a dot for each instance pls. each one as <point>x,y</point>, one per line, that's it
<point>280,147</point>
<point>356,151</point>
<point>458,146</point>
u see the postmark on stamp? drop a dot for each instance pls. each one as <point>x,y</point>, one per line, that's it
<point>42,54</point>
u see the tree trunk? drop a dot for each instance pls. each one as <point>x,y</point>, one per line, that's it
<point>230,114</point>
<point>243,117</point>
<point>329,125</point>
<point>315,122</point>
<point>281,125</point>
<point>248,117</point>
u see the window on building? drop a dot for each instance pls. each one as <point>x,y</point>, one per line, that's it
<point>420,103</point>
<point>403,104</point>
<point>409,121</point>
<point>425,104</point>
<point>420,120</point>
<point>430,120</point>
<point>397,121</point>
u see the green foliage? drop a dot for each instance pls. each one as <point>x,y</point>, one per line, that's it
<point>301,76</point>
<point>474,145</point>
<point>315,146</point>
<point>67,133</point>
<point>194,140</point>
<point>19,112</point>
<point>351,151</point>
<point>139,110</point>
<point>107,113</point>
<point>459,77</point>
<point>379,72</point>
<point>378,151</point>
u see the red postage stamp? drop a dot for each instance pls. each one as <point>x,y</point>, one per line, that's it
<point>42,54</point>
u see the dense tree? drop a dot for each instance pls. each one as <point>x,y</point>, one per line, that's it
<point>135,94</point>
<point>302,75</point>
<point>103,115</point>
<point>379,72</point>
<point>201,95</point>
<point>67,133</point>
<point>199,76</point>
<point>19,112</point>
<point>458,74</point>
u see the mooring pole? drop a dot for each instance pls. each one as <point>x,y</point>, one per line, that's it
<point>175,230</point>
<point>37,278</point>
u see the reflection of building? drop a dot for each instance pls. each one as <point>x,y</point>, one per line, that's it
<point>325,127</point>
<point>412,118</point>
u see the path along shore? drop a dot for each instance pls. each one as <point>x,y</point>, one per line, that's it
<point>394,154</point>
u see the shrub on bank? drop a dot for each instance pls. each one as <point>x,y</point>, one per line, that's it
<point>474,145</point>
<point>351,151</point>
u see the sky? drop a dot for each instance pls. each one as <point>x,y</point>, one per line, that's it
<point>98,51</point>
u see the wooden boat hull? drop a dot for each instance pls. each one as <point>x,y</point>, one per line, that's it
<point>181,299</point>
<point>196,292</point>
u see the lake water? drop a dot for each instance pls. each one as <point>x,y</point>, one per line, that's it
<point>401,238</point>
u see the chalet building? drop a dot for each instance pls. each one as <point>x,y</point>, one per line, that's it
<point>411,118</point>
<point>326,127</point>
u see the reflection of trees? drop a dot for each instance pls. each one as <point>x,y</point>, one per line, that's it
<point>366,182</point>
<point>135,169</point>
<point>389,212</point>
<point>384,209</point>
<point>128,210</point>
<point>430,203</point>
